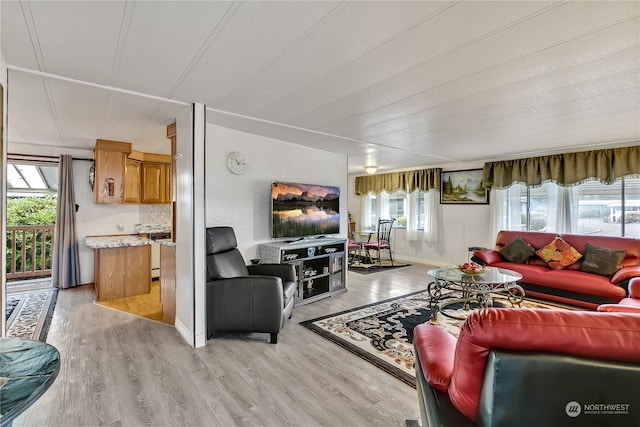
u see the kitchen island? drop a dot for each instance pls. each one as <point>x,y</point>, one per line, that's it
<point>122,265</point>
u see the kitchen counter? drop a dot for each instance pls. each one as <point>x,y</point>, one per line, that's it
<point>117,241</point>
<point>152,228</point>
<point>166,242</point>
<point>122,265</point>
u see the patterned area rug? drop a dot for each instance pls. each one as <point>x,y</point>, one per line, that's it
<point>29,313</point>
<point>382,333</point>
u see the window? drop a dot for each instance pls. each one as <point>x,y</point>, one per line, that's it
<point>397,208</point>
<point>31,178</point>
<point>590,208</point>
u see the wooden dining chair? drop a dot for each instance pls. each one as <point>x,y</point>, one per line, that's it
<point>383,241</point>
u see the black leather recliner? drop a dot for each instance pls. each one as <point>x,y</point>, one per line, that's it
<point>245,298</point>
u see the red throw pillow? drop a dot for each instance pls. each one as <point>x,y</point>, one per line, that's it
<point>558,254</point>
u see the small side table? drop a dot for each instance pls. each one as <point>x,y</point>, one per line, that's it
<point>27,370</point>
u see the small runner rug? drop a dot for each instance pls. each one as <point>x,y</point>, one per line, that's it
<point>29,313</point>
<point>382,333</point>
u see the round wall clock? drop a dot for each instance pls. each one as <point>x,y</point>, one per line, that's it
<point>237,163</point>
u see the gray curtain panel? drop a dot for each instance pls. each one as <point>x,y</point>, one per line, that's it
<point>66,263</point>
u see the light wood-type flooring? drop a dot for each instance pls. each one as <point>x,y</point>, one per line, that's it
<point>147,305</point>
<point>122,370</point>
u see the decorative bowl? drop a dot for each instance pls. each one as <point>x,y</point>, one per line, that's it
<point>473,272</point>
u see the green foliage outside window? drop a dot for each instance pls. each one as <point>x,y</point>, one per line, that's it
<point>30,211</point>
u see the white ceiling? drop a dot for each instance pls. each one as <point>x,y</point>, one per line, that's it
<point>399,84</point>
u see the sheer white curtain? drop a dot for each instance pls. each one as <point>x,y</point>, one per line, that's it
<point>412,215</point>
<point>557,208</point>
<point>506,210</point>
<point>382,206</point>
<point>365,212</point>
<point>431,216</point>
<point>567,210</point>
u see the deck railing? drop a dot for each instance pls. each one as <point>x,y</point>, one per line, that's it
<point>29,251</point>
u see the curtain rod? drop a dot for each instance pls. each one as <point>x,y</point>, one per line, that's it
<point>38,156</point>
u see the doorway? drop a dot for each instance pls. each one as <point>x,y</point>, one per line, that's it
<point>31,204</point>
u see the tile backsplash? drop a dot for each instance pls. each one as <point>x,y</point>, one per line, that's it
<point>155,214</point>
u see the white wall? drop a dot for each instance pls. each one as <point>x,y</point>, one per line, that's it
<point>459,227</point>
<point>244,201</point>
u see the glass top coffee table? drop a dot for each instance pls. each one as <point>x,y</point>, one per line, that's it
<point>27,369</point>
<point>472,288</point>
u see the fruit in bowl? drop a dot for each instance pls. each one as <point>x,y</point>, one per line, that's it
<point>471,268</point>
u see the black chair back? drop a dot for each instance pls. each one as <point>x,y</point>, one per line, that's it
<point>384,230</point>
<point>224,260</point>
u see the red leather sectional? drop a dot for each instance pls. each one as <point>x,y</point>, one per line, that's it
<point>518,366</point>
<point>568,285</point>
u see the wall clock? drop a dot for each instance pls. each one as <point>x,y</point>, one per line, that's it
<point>237,163</point>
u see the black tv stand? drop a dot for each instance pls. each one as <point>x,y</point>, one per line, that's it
<point>321,266</point>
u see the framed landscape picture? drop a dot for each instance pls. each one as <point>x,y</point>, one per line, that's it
<point>463,187</point>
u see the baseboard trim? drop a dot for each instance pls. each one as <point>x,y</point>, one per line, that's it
<point>185,333</point>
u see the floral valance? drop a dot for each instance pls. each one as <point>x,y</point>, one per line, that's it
<point>564,169</point>
<point>408,181</point>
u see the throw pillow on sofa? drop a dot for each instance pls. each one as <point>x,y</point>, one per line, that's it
<point>602,261</point>
<point>558,254</point>
<point>517,251</point>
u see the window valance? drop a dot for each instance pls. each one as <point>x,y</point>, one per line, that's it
<point>408,181</point>
<point>564,169</point>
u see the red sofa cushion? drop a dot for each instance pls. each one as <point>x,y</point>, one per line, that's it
<point>610,336</point>
<point>631,246</point>
<point>558,254</point>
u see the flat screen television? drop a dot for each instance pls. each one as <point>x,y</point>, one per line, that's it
<point>304,210</point>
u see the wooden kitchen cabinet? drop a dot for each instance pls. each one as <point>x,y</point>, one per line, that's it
<point>153,183</point>
<point>122,271</point>
<point>168,184</point>
<point>132,181</point>
<point>110,158</point>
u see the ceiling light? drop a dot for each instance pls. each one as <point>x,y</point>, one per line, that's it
<point>370,169</point>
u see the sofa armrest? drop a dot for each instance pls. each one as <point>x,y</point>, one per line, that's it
<point>436,349</point>
<point>626,273</point>
<point>619,308</point>
<point>487,256</point>
<point>286,272</point>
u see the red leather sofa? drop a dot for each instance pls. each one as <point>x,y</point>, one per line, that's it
<point>530,367</point>
<point>567,285</point>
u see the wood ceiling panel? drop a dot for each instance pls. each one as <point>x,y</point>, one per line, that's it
<point>81,111</point>
<point>609,51</point>
<point>31,119</point>
<point>416,47</point>
<point>158,49</point>
<point>79,39</point>
<point>13,27</point>
<point>250,40</point>
<point>514,44</point>
<point>324,50</point>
